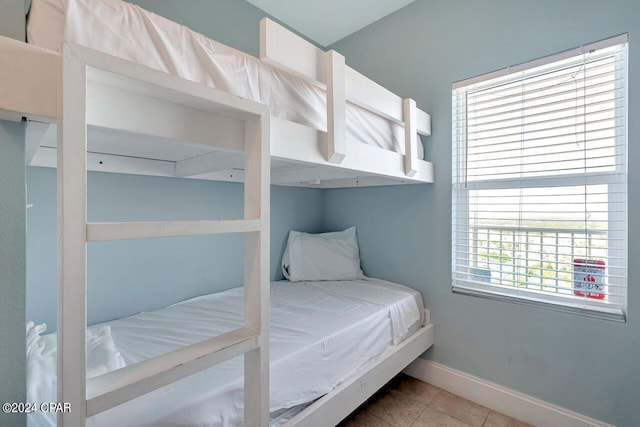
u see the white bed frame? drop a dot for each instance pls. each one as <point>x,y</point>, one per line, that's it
<point>125,104</point>
<point>301,155</point>
<point>90,397</point>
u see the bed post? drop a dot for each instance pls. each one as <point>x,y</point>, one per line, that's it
<point>336,107</point>
<point>256,276</point>
<point>72,252</point>
<point>409,114</point>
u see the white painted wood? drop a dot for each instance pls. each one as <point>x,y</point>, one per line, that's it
<point>423,122</point>
<point>336,107</point>
<point>127,144</point>
<point>122,385</point>
<point>129,111</point>
<point>152,229</point>
<point>510,402</point>
<point>299,143</point>
<point>340,402</point>
<point>72,254</point>
<point>210,162</point>
<point>28,79</point>
<point>368,94</point>
<point>306,174</point>
<point>284,49</point>
<point>125,384</point>
<point>410,136</point>
<point>365,181</point>
<point>34,135</point>
<point>119,73</point>
<point>257,268</point>
<point>47,157</point>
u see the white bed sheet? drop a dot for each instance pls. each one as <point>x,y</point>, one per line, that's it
<point>128,31</point>
<point>321,333</point>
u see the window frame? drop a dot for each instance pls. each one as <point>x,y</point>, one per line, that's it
<point>617,240</point>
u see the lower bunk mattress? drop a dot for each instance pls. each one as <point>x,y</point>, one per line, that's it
<point>321,334</point>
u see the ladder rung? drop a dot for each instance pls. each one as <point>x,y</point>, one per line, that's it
<point>117,387</point>
<point>151,229</point>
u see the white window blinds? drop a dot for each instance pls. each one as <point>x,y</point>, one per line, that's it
<point>540,182</point>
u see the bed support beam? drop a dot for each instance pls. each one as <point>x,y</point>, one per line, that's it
<point>410,136</point>
<point>336,107</point>
<point>35,134</point>
<point>210,162</point>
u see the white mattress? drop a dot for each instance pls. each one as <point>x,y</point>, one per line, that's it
<point>130,32</point>
<point>321,333</point>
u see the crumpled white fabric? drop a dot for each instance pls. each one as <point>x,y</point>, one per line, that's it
<point>321,333</point>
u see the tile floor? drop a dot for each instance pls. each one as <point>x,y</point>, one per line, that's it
<point>407,402</point>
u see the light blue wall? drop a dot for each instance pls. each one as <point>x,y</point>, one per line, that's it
<point>587,365</point>
<point>12,245</point>
<point>232,22</point>
<point>12,20</point>
<point>12,268</point>
<point>132,276</point>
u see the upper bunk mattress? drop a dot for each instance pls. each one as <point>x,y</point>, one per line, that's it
<point>130,32</point>
<point>320,334</point>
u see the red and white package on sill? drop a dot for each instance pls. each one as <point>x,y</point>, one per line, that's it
<point>588,278</point>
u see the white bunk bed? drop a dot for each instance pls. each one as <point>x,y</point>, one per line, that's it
<point>91,109</point>
<point>331,127</point>
<point>321,333</point>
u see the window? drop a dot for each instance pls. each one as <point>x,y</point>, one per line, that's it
<point>540,182</point>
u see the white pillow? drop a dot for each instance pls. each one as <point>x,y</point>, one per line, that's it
<point>326,256</point>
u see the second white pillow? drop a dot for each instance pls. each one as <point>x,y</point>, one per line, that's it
<point>326,256</point>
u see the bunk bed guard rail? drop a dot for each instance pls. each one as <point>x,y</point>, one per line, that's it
<point>284,49</point>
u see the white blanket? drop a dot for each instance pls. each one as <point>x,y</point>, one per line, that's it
<point>128,31</point>
<point>321,333</point>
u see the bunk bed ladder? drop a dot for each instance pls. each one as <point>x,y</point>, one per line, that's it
<point>98,394</point>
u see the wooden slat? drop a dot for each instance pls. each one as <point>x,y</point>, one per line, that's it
<point>210,162</point>
<point>336,107</point>
<point>152,229</point>
<point>295,142</point>
<point>286,50</point>
<point>410,136</point>
<point>28,79</point>
<point>72,252</point>
<point>423,122</point>
<point>117,387</point>
<point>257,269</point>
<point>98,162</point>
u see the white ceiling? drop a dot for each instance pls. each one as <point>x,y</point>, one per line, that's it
<point>327,21</point>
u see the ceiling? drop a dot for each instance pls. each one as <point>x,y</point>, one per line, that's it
<point>327,21</point>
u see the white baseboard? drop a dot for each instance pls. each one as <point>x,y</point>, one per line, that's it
<point>509,402</point>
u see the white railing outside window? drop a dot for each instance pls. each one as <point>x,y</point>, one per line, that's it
<point>540,182</point>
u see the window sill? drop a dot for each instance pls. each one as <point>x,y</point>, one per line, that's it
<point>611,313</point>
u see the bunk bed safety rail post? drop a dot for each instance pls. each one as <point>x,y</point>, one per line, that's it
<point>410,136</point>
<point>257,269</point>
<point>72,261</point>
<point>100,393</point>
<point>336,107</point>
